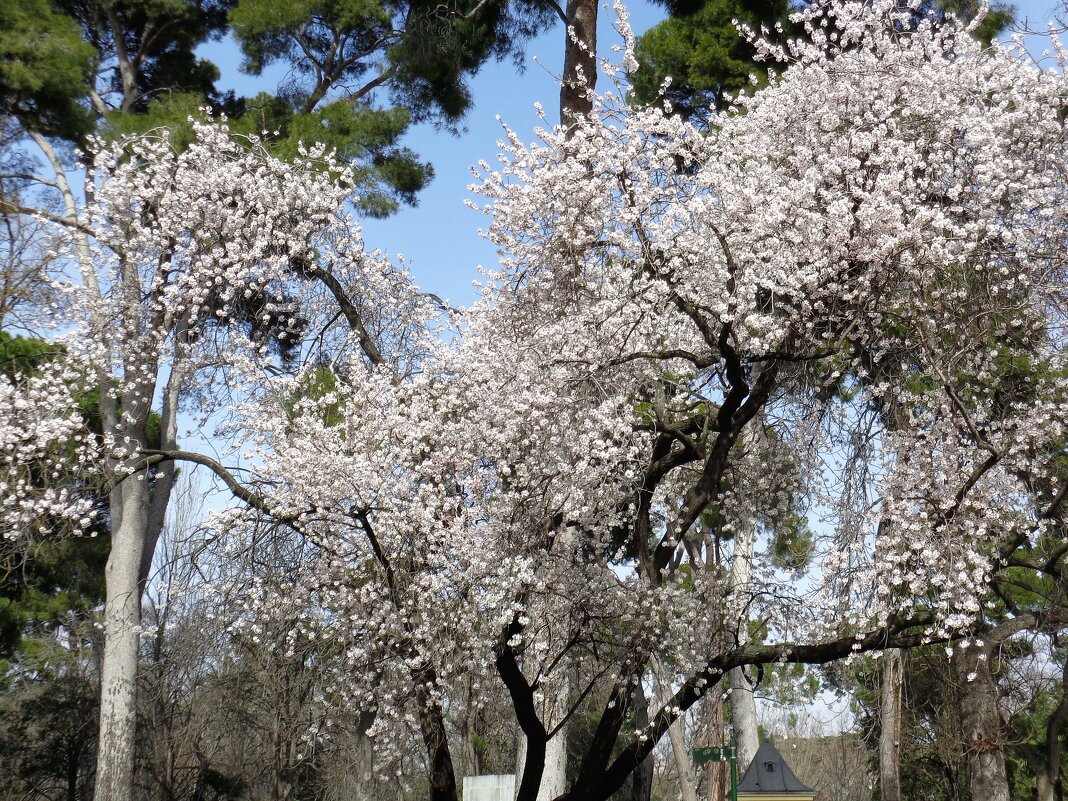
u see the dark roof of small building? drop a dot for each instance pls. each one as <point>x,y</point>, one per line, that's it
<point>769,773</point>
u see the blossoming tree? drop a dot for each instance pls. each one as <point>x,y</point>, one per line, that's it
<point>189,263</point>
<point>804,314</point>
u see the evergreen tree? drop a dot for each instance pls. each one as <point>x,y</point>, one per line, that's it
<point>700,49</point>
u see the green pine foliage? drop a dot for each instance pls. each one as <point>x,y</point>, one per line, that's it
<point>160,36</point>
<point>700,49</point>
<point>44,68</point>
<point>704,56</point>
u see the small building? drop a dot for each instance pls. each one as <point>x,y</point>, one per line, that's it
<point>500,787</point>
<point>769,778</point>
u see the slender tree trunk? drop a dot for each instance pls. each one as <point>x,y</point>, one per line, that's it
<point>890,727</point>
<point>467,732</point>
<point>641,781</point>
<point>676,735</point>
<point>744,717</point>
<point>580,60</point>
<point>74,754</point>
<point>743,700</point>
<point>127,70</point>
<point>981,721</point>
<point>716,770</point>
<point>1045,774</point>
<point>122,619</point>
<point>1046,764</point>
<point>129,508</point>
<point>138,511</point>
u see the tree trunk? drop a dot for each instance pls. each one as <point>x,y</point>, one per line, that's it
<point>987,778</point>
<point>122,618</point>
<point>554,775</point>
<point>890,727</point>
<point>743,701</point>
<point>641,781</point>
<point>1046,790</point>
<point>553,780</point>
<point>533,736</point>
<point>580,60</point>
<point>466,734</point>
<point>432,721</point>
<point>716,770</point>
<point>676,735</point>
<point>743,717</point>
<point>1045,774</point>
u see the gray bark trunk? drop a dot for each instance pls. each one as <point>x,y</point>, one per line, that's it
<point>890,727</point>
<point>554,777</point>
<point>1046,790</point>
<point>676,735</point>
<point>743,701</point>
<point>122,618</point>
<point>743,718</point>
<point>981,721</point>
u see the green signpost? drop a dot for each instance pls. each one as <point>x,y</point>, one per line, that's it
<point>720,753</point>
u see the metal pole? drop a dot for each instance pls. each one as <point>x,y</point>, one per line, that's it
<point>734,773</point>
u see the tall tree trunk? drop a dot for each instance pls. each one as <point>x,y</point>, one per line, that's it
<point>676,735</point>
<point>981,721</point>
<point>580,60</point>
<point>553,780</point>
<point>129,508</point>
<point>1045,763</point>
<point>641,781</point>
<point>716,770</point>
<point>1046,775</point>
<point>466,733</point>
<point>554,775</point>
<point>432,722</point>
<point>1046,791</point>
<point>744,717</point>
<point>138,512</point>
<point>890,727</point>
<point>122,618</point>
<point>743,700</point>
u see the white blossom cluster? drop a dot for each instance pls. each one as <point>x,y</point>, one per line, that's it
<point>46,455</point>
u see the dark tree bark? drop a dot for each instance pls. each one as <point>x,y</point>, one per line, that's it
<point>580,58</point>
<point>441,774</point>
<point>533,728</point>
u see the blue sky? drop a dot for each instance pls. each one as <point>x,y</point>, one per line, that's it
<point>439,237</point>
